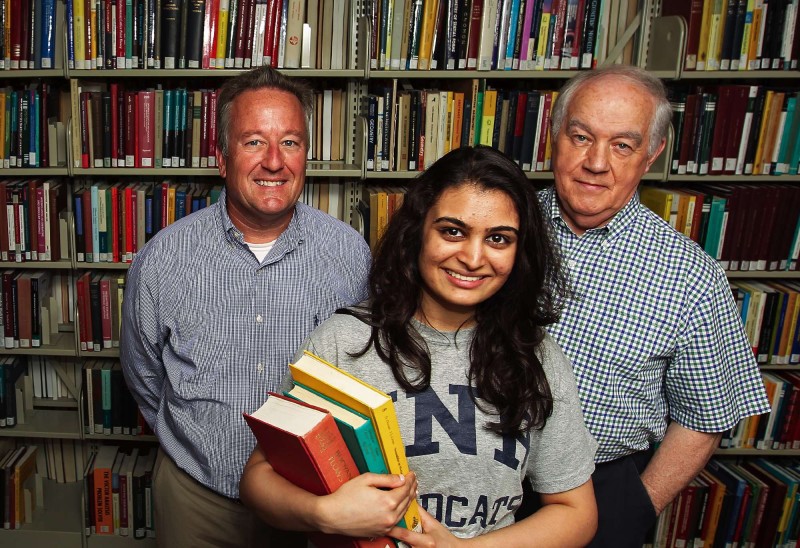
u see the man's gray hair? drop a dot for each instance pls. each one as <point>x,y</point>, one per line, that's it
<point>659,125</point>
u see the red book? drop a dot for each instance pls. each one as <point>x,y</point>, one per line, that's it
<point>130,215</point>
<point>84,315</point>
<point>241,30</point>
<point>269,30</point>
<point>544,131</point>
<point>735,114</point>
<point>8,311</point>
<point>276,39</point>
<point>210,33</point>
<point>204,122</point>
<point>105,309</point>
<point>34,230</point>
<point>114,237</point>
<point>146,128</point>
<point>84,110</point>
<point>474,39</point>
<point>248,37</point>
<point>692,13</point>
<point>44,119</point>
<point>41,238</point>
<point>130,129</point>
<point>685,143</point>
<point>559,12</point>
<point>519,125</point>
<point>304,445</point>
<point>212,129</point>
<point>722,130</point>
<point>3,222</point>
<point>120,45</point>
<point>17,17</point>
<point>114,90</point>
<point>575,56</point>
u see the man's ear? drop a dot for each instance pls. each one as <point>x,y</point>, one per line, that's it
<point>655,155</point>
<point>221,163</point>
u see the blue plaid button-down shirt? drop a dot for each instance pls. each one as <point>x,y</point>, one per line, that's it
<point>208,330</point>
<point>653,333</point>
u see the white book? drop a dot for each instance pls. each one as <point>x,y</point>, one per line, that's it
<point>486,46</point>
<point>327,123</point>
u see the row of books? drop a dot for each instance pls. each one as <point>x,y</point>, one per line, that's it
<point>721,217</point>
<point>496,34</point>
<point>28,34</point>
<point>147,128</point>
<point>27,382</point>
<point>738,34</point>
<point>780,428</point>
<point>114,220</point>
<point>154,128</point>
<point>33,220</point>
<point>33,304</point>
<point>747,503</point>
<point>99,300</point>
<point>20,485</point>
<point>409,129</point>
<point>735,130</point>
<point>119,487</point>
<point>769,313</point>
<point>206,34</point>
<point>328,429</point>
<point>32,131</point>
<point>109,407</point>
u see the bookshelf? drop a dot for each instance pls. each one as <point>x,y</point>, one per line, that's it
<point>658,43</point>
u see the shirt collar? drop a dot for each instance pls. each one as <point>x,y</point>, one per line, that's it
<point>617,225</point>
<point>290,238</point>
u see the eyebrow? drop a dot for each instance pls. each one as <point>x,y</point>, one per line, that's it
<point>634,136</point>
<point>459,222</point>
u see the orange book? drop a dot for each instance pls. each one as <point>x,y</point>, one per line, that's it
<point>101,477</point>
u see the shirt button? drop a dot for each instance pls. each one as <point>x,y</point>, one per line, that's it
<point>259,319</point>
<point>260,367</point>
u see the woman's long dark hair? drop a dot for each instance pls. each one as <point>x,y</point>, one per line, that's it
<point>504,368</point>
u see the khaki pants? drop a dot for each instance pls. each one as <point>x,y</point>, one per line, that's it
<point>189,515</point>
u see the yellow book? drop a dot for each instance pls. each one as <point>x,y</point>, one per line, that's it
<point>171,204</point>
<point>758,162</point>
<point>332,382</point>
<point>488,116</point>
<point>79,35</point>
<point>658,200</point>
<point>715,31</point>
<point>541,49</point>
<point>222,32</point>
<point>431,9</point>
<point>705,25</point>
<point>753,61</point>
<point>91,24</point>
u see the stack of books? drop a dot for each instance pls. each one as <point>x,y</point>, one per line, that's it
<point>328,429</point>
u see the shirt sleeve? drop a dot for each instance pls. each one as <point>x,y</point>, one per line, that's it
<point>713,381</point>
<point>141,341</point>
<point>564,437</point>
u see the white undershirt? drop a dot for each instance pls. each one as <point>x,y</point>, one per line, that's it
<point>260,250</point>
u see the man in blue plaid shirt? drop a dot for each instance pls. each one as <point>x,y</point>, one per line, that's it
<point>660,355</point>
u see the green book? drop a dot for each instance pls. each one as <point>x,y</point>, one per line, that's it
<point>357,429</point>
